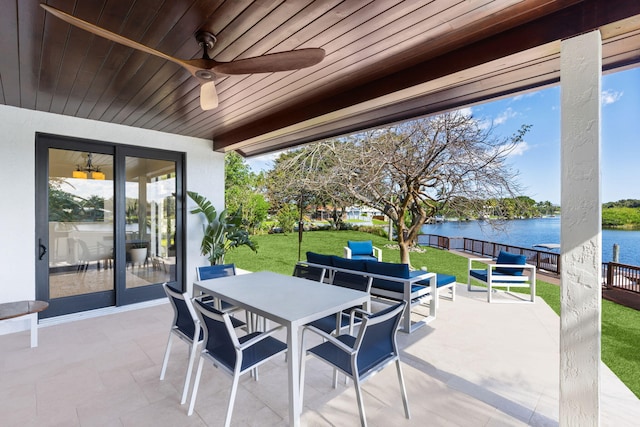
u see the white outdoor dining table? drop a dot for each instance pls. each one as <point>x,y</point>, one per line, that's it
<point>289,301</point>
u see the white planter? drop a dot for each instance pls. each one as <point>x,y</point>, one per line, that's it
<point>138,255</point>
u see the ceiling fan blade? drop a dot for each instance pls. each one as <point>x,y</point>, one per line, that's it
<point>208,96</point>
<point>87,26</point>
<point>281,61</point>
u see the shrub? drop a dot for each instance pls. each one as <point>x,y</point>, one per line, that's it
<point>376,231</point>
<point>287,217</point>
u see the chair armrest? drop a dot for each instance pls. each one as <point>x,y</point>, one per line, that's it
<point>352,316</point>
<point>347,252</point>
<point>482,260</point>
<point>377,252</point>
<point>259,338</point>
<point>427,275</point>
<point>494,266</point>
<point>327,337</point>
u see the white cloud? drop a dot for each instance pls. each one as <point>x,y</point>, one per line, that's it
<point>466,112</point>
<point>484,124</point>
<point>519,149</point>
<point>609,97</point>
<point>504,116</point>
<point>262,163</point>
<point>524,95</point>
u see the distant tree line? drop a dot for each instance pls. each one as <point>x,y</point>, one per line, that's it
<point>621,214</point>
<point>625,203</point>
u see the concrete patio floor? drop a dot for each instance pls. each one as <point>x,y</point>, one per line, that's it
<point>477,364</point>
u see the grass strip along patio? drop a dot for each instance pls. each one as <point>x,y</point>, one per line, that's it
<point>279,253</point>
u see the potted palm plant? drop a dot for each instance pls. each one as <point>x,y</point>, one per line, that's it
<point>221,232</point>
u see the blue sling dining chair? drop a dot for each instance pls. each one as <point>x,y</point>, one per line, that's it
<point>360,357</point>
<point>186,326</point>
<point>231,354</point>
<point>223,270</point>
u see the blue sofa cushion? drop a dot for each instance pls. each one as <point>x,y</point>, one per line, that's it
<point>360,248</point>
<point>509,258</point>
<point>389,269</point>
<point>441,279</point>
<point>349,264</point>
<point>393,270</point>
<point>364,257</point>
<point>353,280</point>
<point>315,258</point>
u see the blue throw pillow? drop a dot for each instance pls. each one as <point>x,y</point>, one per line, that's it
<point>360,248</point>
<point>315,258</point>
<point>389,269</point>
<point>349,264</point>
<point>509,258</point>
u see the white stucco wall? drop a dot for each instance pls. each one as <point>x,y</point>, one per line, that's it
<point>205,174</point>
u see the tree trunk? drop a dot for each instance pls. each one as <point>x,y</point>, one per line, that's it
<point>406,237</point>
<point>403,244</point>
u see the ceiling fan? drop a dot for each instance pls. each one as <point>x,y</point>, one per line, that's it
<point>206,69</point>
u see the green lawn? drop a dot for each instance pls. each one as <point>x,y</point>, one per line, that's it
<point>279,253</point>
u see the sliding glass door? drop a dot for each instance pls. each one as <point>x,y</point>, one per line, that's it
<point>150,239</point>
<point>108,223</point>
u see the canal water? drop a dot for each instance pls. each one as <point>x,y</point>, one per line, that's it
<point>528,232</point>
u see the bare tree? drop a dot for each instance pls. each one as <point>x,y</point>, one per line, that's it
<point>413,170</point>
<point>304,176</point>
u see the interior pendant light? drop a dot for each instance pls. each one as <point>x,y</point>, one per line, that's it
<point>88,170</point>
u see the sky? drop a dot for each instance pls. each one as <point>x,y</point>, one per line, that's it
<point>537,158</point>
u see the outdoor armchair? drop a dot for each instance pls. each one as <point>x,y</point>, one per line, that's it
<point>360,357</point>
<point>186,326</point>
<point>362,250</point>
<point>231,354</point>
<point>508,271</point>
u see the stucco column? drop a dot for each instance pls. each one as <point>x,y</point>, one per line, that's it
<point>581,238</point>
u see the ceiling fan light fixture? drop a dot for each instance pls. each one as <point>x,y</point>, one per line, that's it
<point>205,74</point>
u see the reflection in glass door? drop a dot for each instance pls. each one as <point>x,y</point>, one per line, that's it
<point>80,223</point>
<point>150,221</point>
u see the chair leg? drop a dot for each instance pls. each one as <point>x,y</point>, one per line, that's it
<point>403,390</point>
<point>196,384</point>
<point>187,380</point>
<point>165,362</point>
<point>232,398</point>
<point>363,417</point>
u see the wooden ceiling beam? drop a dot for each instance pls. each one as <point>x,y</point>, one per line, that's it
<point>568,22</point>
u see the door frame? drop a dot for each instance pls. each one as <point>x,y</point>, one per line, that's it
<point>120,295</point>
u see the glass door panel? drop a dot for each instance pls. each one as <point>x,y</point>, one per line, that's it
<point>150,221</point>
<point>80,221</point>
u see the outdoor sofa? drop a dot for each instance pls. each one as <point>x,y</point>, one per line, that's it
<point>391,281</point>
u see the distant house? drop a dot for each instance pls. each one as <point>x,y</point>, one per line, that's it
<point>364,213</point>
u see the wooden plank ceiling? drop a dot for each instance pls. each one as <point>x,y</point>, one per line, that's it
<point>386,60</point>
